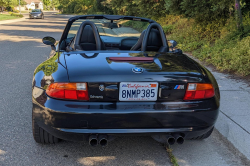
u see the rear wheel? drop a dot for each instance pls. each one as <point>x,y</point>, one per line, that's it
<point>42,136</point>
<point>204,136</point>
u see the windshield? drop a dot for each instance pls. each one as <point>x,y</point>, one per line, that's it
<point>36,10</point>
<point>119,28</point>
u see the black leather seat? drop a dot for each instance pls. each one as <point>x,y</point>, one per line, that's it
<point>137,46</point>
<point>154,41</point>
<point>88,38</point>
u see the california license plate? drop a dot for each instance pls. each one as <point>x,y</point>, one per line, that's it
<point>138,91</point>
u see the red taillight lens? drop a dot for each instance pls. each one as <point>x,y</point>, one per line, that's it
<point>199,91</point>
<point>71,91</point>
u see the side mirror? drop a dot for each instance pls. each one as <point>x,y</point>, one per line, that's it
<point>173,44</point>
<point>50,41</point>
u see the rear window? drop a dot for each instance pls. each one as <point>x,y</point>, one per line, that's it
<point>119,28</point>
<point>36,10</point>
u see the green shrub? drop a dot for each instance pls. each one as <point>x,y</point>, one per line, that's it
<point>138,25</point>
<point>16,15</point>
<point>217,43</point>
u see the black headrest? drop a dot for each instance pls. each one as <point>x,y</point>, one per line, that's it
<point>87,40</point>
<point>154,40</point>
<point>87,37</point>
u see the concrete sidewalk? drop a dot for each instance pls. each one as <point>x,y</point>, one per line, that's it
<point>234,118</point>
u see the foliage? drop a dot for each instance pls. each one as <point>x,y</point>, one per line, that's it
<point>46,2</point>
<point>10,4</point>
<point>15,14</point>
<point>202,11</point>
<point>138,25</point>
<point>144,8</point>
<point>221,45</point>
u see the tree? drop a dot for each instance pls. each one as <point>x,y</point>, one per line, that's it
<point>2,4</point>
<point>203,11</point>
<point>54,4</point>
<point>46,3</point>
<point>238,15</point>
<point>10,4</point>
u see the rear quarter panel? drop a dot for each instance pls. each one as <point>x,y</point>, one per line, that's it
<point>51,70</point>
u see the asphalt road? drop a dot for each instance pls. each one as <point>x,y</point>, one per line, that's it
<point>21,50</point>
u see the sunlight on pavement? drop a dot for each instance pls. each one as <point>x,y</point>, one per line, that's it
<point>183,162</point>
<point>96,160</point>
<point>30,28</point>
<point>18,38</point>
<point>146,162</point>
<point>2,153</point>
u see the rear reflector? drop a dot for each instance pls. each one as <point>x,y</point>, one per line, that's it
<point>131,59</point>
<point>71,91</point>
<point>199,91</point>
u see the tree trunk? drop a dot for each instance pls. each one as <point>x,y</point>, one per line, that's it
<point>238,15</point>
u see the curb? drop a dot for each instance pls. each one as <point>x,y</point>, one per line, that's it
<point>234,131</point>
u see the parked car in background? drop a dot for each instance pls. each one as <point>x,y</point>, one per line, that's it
<point>36,13</point>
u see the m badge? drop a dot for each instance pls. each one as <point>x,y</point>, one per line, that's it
<point>179,87</point>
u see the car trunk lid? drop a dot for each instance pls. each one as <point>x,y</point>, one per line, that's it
<point>172,72</point>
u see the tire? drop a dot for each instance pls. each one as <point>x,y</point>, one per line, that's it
<point>42,136</point>
<point>204,136</point>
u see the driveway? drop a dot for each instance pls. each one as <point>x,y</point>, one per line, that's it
<point>21,50</point>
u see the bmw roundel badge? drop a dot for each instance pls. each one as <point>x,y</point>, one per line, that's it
<point>101,88</point>
<point>137,70</point>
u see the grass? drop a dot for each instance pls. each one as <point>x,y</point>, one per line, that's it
<point>7,17</point>
<point>172,158</point>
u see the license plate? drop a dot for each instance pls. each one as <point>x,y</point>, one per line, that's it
<point>138,91</point>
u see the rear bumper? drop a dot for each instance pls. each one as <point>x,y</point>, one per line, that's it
<point>31,16</point>
<point>72,120</point>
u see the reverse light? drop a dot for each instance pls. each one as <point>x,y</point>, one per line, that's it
<point>71,91</point>
<point>197,91</point>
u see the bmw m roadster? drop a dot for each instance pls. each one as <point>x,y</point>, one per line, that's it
<point>105,79</point>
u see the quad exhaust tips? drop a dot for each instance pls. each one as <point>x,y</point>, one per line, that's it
<point>94,140</point>
<point>178,138</point>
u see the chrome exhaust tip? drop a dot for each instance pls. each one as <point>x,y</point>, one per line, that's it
<point>103,140</point>
<point>93,140</point>
<point>170,140</point>
<point>179,139</point>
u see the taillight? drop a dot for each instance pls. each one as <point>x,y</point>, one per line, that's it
<point>199,91</point>
<point>71,91</point>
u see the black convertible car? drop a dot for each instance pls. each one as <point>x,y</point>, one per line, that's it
<point>105,79</point>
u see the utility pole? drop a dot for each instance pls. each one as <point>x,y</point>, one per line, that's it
<point>238,15</point>
<point>19,7</point>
